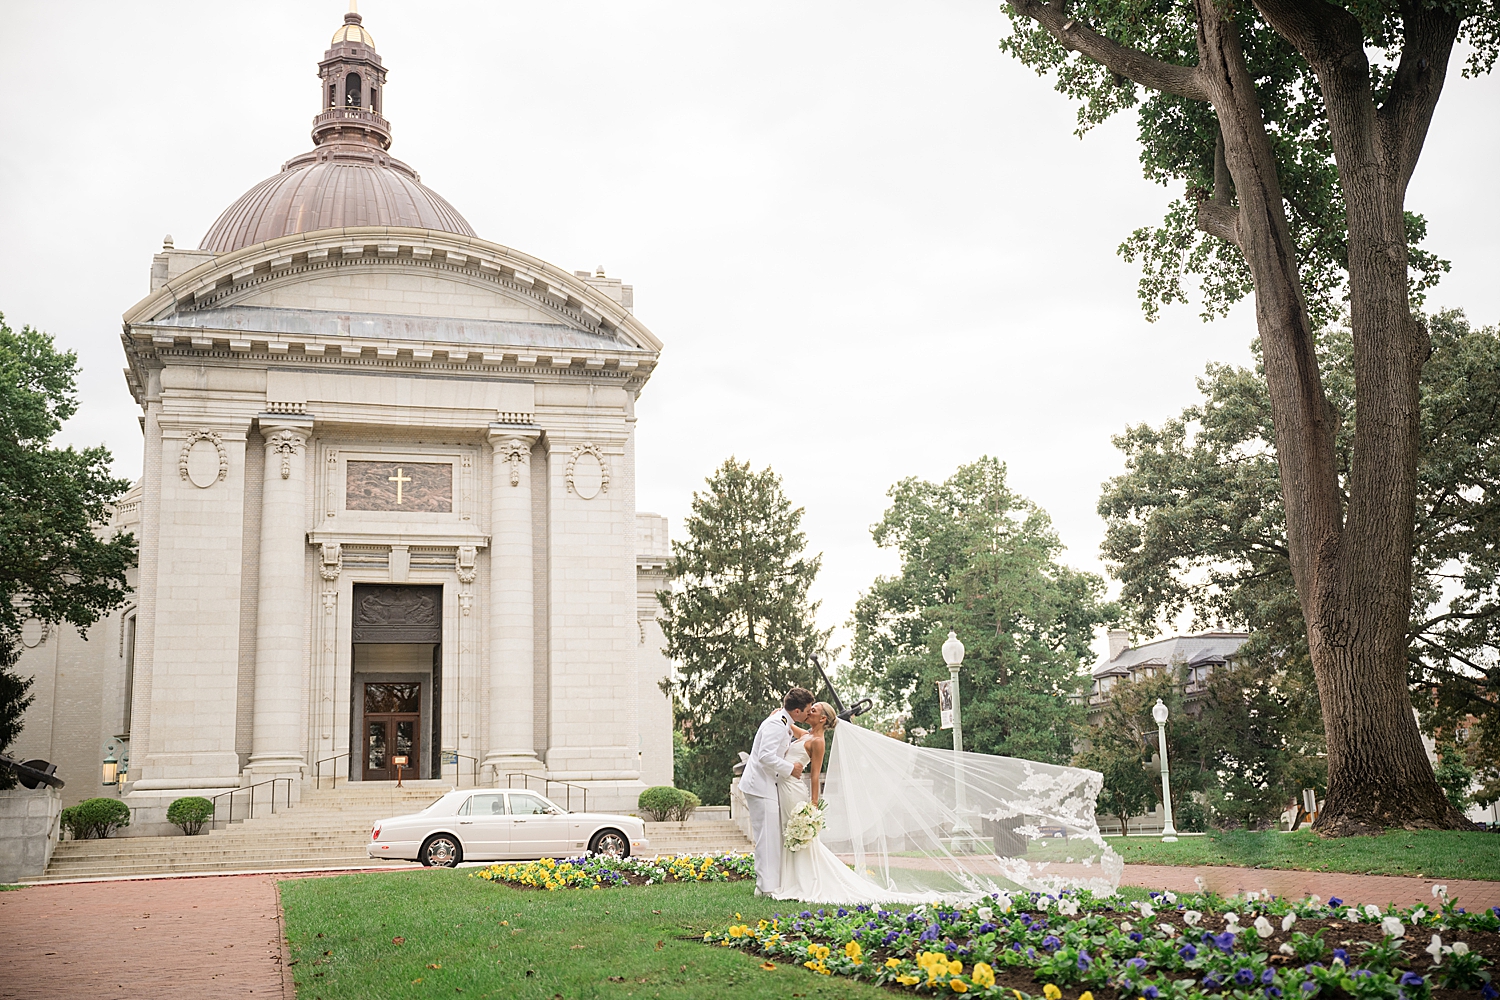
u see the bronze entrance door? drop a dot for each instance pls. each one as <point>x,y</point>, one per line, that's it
<point>393,728</point>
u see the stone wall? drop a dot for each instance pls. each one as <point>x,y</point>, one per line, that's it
<point>29,831</point>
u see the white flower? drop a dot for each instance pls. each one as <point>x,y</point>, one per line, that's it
<point>1440,891</point>
<point>1170,897</point>
<point>1068,907</point>
<point>1125,926</point>
<point>1043,902</point>
<point>1352,915</point>
<point>1337,963</point>
<point>1435,949</point>
<point>1147,910</point>
<point>1263,927</point>
<point>1004,903</point>
<point>1231,920</point>
<point>1392,927</point>
<point>1198,881</point>
<point>1315,900</point>
<point>1287,949</point>
<point>1372,911</point>
<point>1252,896</point>
<point>1287,921</point>
<point>1459,948</point>
<point>1191,918</point>
<point>1418,914</point>
<point>985,913</point>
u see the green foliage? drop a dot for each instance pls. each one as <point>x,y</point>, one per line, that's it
<point>1443,854</point>
<point>13,702</point>
<point>95,819</point>
<point>53,564</point>
<point>190,813</point>
<point>1196,524</point>
<point>738,621</point>
<point>1454,776</point>
<point>663,803</point>
<point>982,561</point>
<point>1179,137</point>
<point>1124,738</point>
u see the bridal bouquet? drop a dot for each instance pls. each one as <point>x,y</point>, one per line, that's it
<point>803,827</point>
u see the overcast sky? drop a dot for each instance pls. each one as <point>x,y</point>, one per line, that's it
<point>869,240</point>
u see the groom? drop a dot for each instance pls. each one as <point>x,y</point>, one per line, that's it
<point>766,765</point>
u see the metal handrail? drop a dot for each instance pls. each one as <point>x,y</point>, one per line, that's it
<point>474,770</point>
<point>273,782</point>
<point>318,770</point>
<point>568,799</point>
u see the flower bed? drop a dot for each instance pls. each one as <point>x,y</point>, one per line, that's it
<point>598,872</point>
<point>1247,948</point>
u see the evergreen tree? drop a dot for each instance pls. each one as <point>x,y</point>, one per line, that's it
<point>13,702</point>
<point>981,561</point>
<point>738,620</point>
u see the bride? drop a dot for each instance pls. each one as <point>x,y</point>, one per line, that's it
<point>920,824</point>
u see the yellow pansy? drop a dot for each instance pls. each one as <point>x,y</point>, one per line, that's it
<point>908,980</point>
<point>958,985</point>
<point>955,968</point>
<point>1087,995</point>
<point>853,950</point>
<point>892,963</point>
<point>1051,992</point>
<point>984,975</point>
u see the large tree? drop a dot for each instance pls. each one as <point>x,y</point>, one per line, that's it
<point>1296,126</point>
<point>1196,524</point>
<point>56,564</point>
<point>982,561</point>
<point>738,620</point>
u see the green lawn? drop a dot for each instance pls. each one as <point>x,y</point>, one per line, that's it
<point>1433,853</point>
<point>566,943</point>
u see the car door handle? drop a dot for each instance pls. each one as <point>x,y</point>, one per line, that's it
<point>520,821</point>
<point>465,822</point>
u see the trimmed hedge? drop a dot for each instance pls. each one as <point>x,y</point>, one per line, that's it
<point>95,819</point>
<point>190,813</point>
<point>663,803</point>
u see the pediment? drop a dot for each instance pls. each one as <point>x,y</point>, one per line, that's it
<point>398,284</point>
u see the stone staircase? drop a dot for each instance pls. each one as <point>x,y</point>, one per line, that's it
<point>327,829</point>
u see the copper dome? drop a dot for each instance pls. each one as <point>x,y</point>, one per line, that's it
<point>331,188</point>
<point>348,179</point>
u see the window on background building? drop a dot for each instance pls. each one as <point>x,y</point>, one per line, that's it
<point>127,644</point>
<point>353,87</point>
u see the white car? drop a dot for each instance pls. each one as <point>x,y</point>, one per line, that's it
<point>480,824</point>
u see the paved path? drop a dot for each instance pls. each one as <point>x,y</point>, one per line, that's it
<point>1378,889</point>
<point>159,938</point>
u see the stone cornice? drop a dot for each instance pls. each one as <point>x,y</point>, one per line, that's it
<point>521,275</point>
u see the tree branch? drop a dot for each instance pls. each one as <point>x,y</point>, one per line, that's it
<point>1407,113</point>
<point>1184,81</point>
<point>1219,220</point>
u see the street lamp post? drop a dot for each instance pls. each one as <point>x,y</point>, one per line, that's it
<point>1159,713</point>
<point>953,655</point>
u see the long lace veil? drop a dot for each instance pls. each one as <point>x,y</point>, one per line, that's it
<point>918,820</point>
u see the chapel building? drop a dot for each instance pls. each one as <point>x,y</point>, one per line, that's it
<point>387,509</point>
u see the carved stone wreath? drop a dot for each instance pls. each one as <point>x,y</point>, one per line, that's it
<point>212,438</point>
<point>588,448</point>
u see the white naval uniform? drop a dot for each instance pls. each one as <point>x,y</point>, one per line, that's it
<point>766,765</point>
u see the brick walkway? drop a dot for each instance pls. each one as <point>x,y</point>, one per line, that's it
<point>160,938</point>
<point>1378,889</point>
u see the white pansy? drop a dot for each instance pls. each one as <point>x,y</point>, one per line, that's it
<point>1392,927</point>
<point>1440,892</point>
<point>1372,911</point>
<point>1418,914</point>
<point>1043,902</point>
<point>984,913</point>
<point>1231,920</point>
<point>1198,881</point>
<point>1287,949</point>
<point>1435,949</point>
<point>1126,926</point>
<point>1459,948</point>
<point>1315,900</point>
<point>1263,927</point>
<point>1068,907</point>
<point>1148,911</point>
<point>1170,897</point>
<point>1287,921</point>
<point>1004,903</point>
<point>1351,915</point>
<point>1191,917</point>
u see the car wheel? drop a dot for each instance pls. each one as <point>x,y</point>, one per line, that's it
<point>611,844</point>
<point>441,851</point>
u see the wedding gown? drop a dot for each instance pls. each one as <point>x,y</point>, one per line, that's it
<point>815,874</point>
<point>906,824</point>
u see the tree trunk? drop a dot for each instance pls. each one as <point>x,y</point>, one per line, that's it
<point>1352,569</point>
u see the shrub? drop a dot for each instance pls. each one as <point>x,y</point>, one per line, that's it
<point>663,803</point>
<point>686,806</point>
<point>95,819</point>
<point>190,813</point>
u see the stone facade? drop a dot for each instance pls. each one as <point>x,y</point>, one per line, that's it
<point>289,388</point>
<point>29,831</point>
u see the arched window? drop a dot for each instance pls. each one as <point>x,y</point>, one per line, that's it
<point>352,88</point>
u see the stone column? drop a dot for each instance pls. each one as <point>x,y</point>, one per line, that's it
<point>512,624</point>
<point>279,684</point>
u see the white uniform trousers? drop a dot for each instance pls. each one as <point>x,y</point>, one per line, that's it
<point>765,827</point>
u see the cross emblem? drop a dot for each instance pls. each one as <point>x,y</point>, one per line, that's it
<point>398,479</point>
